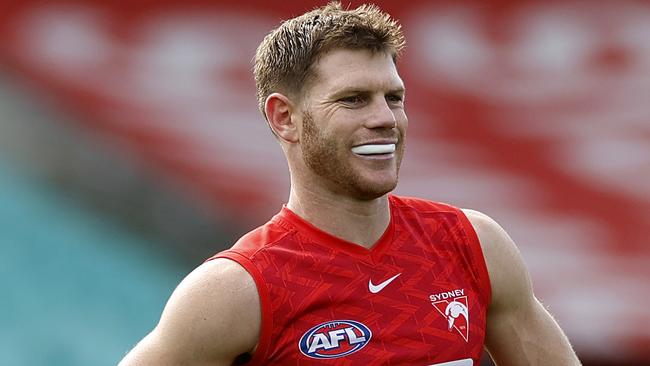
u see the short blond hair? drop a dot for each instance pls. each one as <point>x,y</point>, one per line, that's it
<point>284,59</point>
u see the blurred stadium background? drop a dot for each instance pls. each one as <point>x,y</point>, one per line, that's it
<point>131,149</point>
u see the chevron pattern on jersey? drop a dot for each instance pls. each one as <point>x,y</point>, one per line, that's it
<point>434,311</point>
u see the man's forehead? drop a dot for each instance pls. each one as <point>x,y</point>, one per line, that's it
<point>356,69</point>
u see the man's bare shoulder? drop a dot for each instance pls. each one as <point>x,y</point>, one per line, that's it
<point>508,274</point>
<point>495,242</point>
<point>217,284</point>
<point>212,317</point>
<point>483,224</point>
<point>220,274</point>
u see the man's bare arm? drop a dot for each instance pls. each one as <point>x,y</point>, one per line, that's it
<point>212,317</point>
<point>519,331</point>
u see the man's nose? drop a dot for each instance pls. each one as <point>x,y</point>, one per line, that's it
<point>381,115</point>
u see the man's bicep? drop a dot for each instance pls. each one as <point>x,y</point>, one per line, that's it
<point>211,318</point>
<point>519,331</point>
<point>528,336</point>
<point>152,350</point>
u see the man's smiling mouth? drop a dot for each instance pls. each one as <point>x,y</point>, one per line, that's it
<point>374,149</point>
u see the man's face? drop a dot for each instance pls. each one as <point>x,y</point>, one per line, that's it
<point>354,124</point>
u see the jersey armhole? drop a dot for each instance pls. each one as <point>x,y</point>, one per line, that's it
<point>265,304</point>
<point>477,256</point>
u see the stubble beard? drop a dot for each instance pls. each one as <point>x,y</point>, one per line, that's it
<point>325,157</point>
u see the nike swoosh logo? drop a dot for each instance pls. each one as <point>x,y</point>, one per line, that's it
<point>376,288</point>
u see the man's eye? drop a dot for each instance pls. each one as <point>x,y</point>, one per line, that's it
<point>394,98</point>
<point>353,99</point>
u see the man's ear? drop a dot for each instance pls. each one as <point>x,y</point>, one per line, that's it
<point>278,109</point>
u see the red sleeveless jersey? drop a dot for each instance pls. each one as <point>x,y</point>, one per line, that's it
<point>419,296</point>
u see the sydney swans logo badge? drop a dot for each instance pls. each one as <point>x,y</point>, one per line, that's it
<point>453,306</point>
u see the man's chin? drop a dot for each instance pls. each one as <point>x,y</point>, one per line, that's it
<point>373,190</point>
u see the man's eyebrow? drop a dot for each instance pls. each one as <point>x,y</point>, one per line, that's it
<point>348,91</point>
<point>361,90</point>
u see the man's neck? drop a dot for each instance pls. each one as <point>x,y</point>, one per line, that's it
<point>355,221</point>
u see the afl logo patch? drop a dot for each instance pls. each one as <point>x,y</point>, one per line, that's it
<point>334,339</point>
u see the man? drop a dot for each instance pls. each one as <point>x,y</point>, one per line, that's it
<point>347,274</point>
